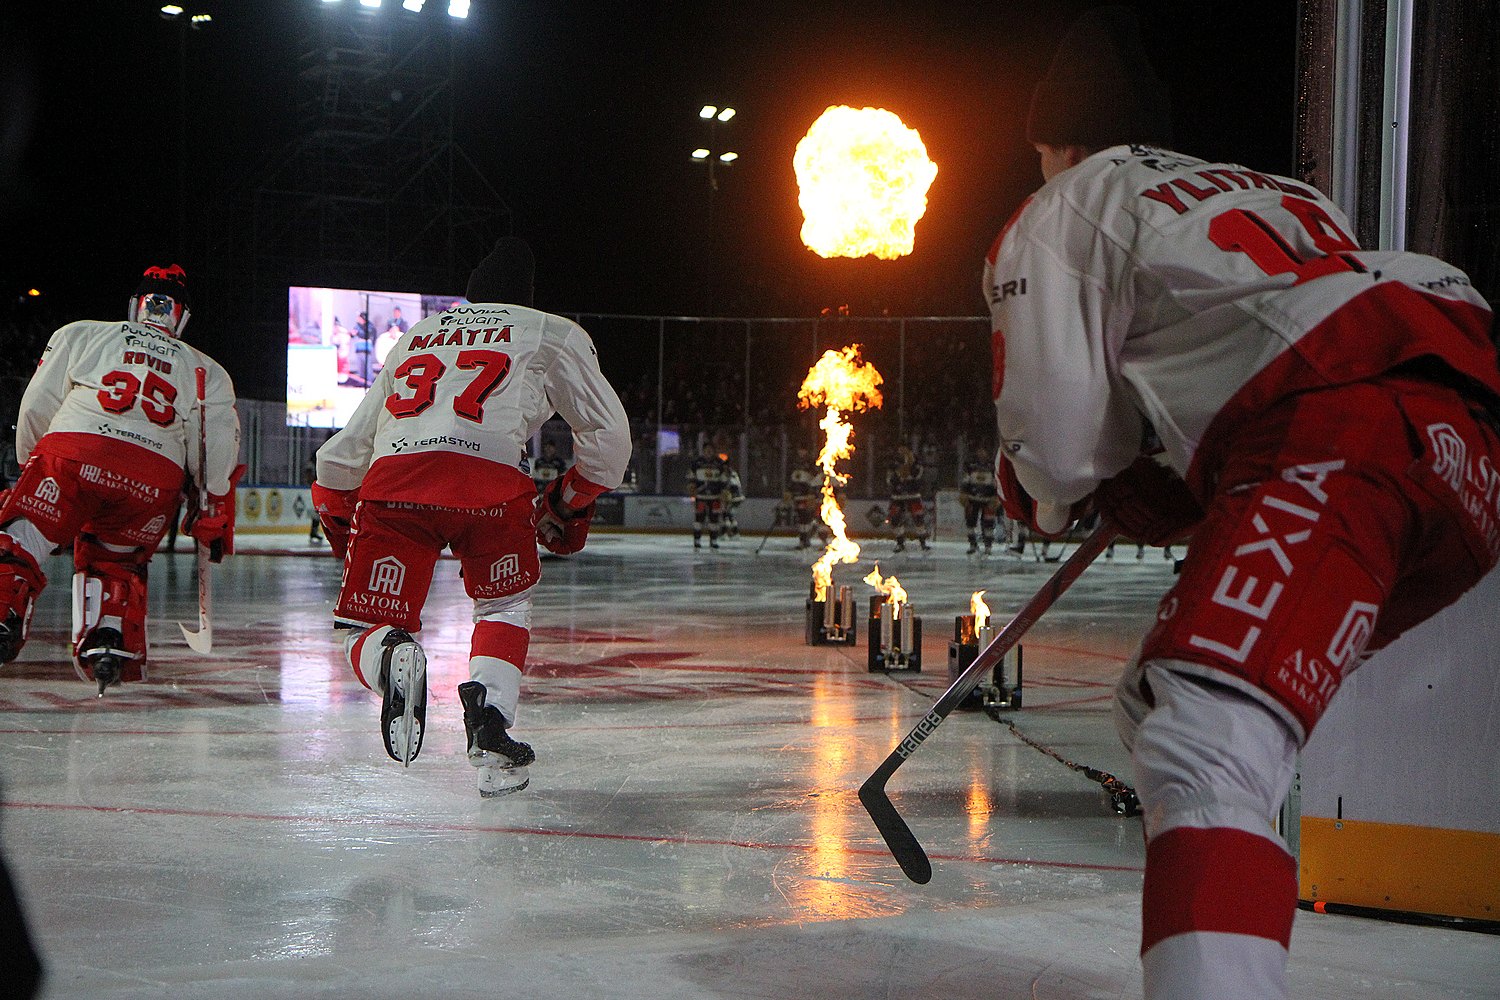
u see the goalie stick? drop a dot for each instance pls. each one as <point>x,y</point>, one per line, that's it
<point>202,641</point>
<point>898,836</point>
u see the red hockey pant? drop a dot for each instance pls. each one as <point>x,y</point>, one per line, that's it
<point>1342,518</point>
<point>393,548</point>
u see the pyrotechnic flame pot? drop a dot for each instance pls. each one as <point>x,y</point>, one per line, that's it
<point>895,636</point>
<point>830,622</point>
<point>995,693</point>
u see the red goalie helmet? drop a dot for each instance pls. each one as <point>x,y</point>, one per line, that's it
<point>161,300</point>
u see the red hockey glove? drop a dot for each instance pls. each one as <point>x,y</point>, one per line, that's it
<point>336,512</point>
<point>1149,503</point>
<point>213,526</point>
<point>1047,519</point>
<point>564,510</point>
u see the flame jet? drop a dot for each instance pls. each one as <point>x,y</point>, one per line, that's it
<point>841,382</point>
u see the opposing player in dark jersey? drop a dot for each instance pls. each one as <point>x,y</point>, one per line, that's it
<point>547,467</point>
<point>907,513</point>
<point>981,502</point>
<point>708,485</point>
<point>804,491</point>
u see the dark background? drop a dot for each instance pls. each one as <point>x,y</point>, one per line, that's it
<point>582,117</point>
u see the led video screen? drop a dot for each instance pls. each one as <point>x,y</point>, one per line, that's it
<point>337,339</point>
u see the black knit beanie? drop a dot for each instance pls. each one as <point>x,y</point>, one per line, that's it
<point>1100,90</point>
<point>508,274</point>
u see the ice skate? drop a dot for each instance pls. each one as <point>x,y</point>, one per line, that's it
<point>973,546</point>
<point>12,635</point>
<point>103,655</point>
<point>900,545</point>
<point>403,701</point>
<point>501,760</point>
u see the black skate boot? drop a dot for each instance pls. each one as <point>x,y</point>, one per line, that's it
<point>403,695</point>
<point>12,636</point>
<point>973,545</point>
<point>501,760</point>
<point>104,654</point>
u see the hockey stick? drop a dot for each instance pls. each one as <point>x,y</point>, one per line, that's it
<point>898,836</point>
<point>202,641</point>
<point>767,537</point>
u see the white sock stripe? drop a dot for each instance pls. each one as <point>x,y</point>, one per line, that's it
<point>358,653</point>
<point>513,609</point>
<point>502,683</point>
<point>30,538</point>
<point>1214,964</point>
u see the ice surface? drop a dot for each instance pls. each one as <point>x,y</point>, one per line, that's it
<point>233,828</point>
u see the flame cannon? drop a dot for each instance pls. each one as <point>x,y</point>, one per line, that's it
<point>971,633</point>
<point>895,630</point>
<point>840,382</point>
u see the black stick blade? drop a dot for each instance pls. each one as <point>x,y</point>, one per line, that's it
<point>898,836</point>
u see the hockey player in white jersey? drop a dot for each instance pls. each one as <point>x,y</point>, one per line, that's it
<point>109,430</point>
<point>1327,415</point>
<point>432,457</point>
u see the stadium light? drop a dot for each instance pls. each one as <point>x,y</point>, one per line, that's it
<point>708,111</point>
<point>415,6</point>
<point>199,20</point>
<point>725,114</point>
<point>458,8</point>
<point>370,4</point>
<point>700,153</point>
<point>728,157</point>
<point>171,10</point>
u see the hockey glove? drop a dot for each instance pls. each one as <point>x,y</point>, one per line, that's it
<point>562,526</point>
<point>212,526</point>
<point>1048,519</point>
<point>336,513</point>
<point>1149,503</point>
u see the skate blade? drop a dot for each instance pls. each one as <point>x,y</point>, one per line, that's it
<point>489,758</point>
<point>497,781</point>
<point>408,672</point>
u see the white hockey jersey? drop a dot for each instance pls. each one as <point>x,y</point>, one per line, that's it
<point>1146,289</point>
<point>447,420</point>
<point>123,396</point>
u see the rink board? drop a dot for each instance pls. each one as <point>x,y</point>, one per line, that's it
<point>1397,806</point>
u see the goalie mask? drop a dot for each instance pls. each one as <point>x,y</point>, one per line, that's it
<point>161,300</point>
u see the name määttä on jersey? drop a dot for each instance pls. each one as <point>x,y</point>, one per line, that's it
<point>462,337</point>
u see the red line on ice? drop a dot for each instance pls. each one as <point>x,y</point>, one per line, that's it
<point>640,838</point>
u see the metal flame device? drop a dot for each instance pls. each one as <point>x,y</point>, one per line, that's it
<point>996,694</point>
<point>895,635</point>
<point>830,622</point>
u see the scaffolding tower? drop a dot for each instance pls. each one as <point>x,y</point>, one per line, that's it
<point>373,191</point>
